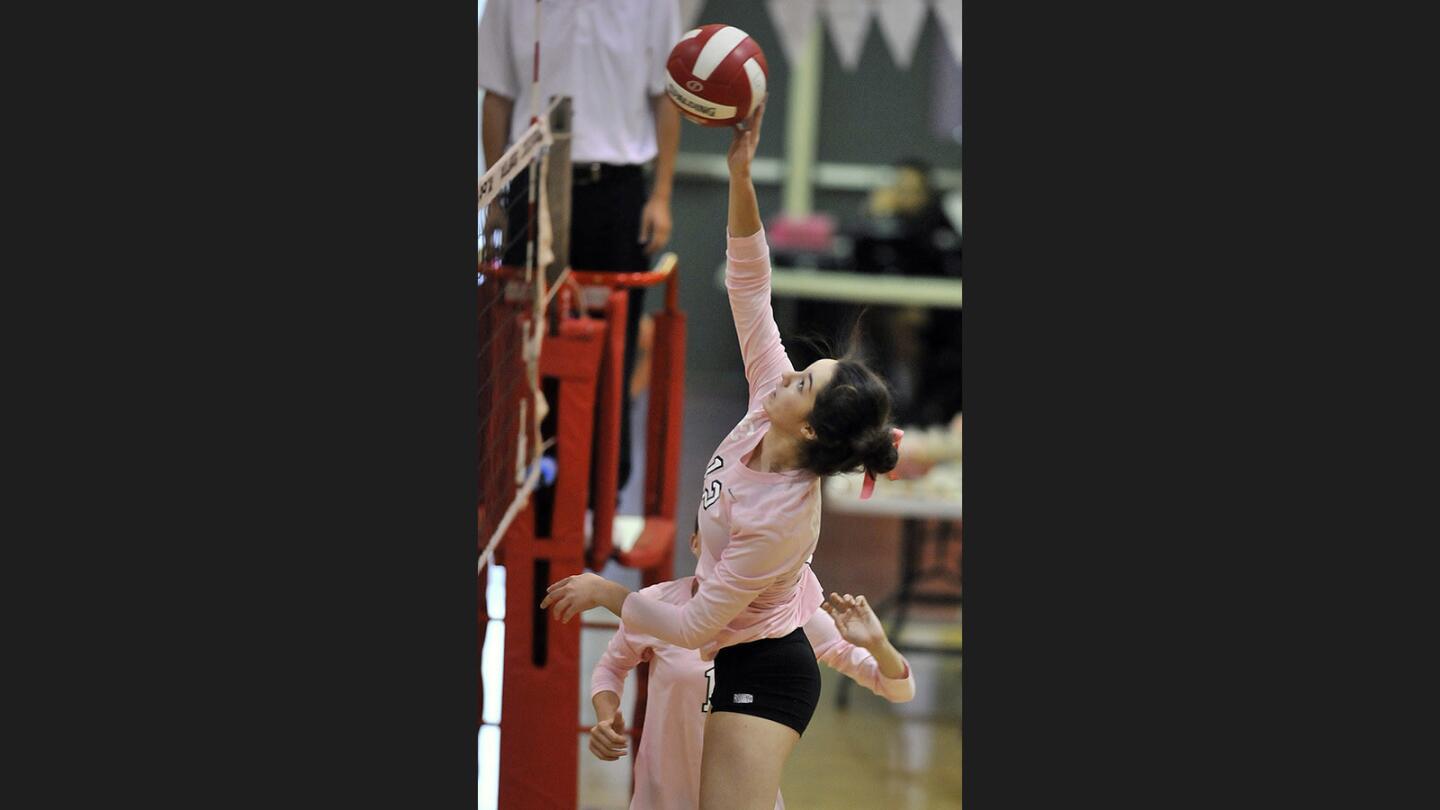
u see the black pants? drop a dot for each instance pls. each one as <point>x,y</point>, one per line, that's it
<point>605,209</point>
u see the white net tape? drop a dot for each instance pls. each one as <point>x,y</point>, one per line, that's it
<point>515,159</point>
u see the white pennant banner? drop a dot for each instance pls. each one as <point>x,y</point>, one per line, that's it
<point>849,22</point>
<point>793,20</point>
<point>948,13</point>
<point>690,13</point>
<point>901,21</point>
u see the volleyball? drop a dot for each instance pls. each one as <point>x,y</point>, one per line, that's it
<point>716,75</point>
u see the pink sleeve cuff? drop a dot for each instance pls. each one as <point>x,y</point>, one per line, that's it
<point>897,690</point>
<point>598,685</point>
<point>746,248</point>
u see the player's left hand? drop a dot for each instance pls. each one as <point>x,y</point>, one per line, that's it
<point>608,740</point>
<point>655,225</point>
<point>855,621</point>
<point>572,595</point>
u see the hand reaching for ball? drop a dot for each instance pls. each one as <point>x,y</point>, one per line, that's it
<point>747,137</point>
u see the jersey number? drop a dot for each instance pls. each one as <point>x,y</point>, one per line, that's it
<point>710,495</point>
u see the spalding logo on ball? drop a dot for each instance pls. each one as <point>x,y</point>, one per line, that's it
<point>716,75</point>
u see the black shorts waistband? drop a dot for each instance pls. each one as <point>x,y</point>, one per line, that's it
<point>764,643</point>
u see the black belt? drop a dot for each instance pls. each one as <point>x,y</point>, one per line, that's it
<point>587,173</point>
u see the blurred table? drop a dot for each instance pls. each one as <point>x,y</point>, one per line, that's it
<point>930,511</point>
<point>861,288</point>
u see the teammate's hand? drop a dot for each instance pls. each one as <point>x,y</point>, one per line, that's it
<point>747,138</point>
<point>607,738</point>
<point>572,595</point>
<point>855,621</point>
<point>655,225</point>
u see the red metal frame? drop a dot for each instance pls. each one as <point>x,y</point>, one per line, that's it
<point>654,551</point>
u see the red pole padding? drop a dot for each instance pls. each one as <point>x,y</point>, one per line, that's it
<point>539,758</point>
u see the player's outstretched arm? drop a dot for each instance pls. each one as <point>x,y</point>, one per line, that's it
<point>744,208</point>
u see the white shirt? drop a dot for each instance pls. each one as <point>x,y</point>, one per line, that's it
<point>607,55</point>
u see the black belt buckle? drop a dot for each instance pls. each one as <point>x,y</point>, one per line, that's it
<point>587,173</point>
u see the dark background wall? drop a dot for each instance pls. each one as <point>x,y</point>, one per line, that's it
<point>875,114</point>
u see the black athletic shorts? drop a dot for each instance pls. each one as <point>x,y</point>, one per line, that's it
<point>774,678</point>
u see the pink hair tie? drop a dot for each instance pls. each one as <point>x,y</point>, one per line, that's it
<point>868,488</point>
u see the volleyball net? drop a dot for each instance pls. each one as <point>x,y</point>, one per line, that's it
<point>523,208</point>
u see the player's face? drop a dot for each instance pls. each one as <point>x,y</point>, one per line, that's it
<point>792,400</point>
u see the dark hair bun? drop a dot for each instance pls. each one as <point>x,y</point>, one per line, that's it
<point>880,455</point>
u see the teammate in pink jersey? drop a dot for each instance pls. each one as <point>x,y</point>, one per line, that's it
<point>759,519</point>
<point>850,640</point>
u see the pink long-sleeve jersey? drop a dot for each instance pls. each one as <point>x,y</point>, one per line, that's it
<point>757,529</point>
<point>667,765</point>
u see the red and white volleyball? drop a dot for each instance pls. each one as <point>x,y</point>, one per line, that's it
<point>716,75</point>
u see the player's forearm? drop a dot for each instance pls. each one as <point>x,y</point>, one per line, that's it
<point>605,704</point>
<point>611,596</point>
<point>744,208</point>
<point>667,135</point>
<point>888,659</point>
<point>495,126</point>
